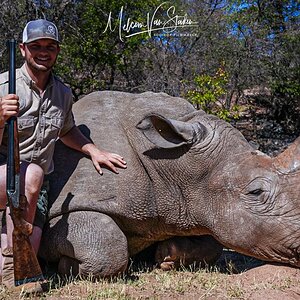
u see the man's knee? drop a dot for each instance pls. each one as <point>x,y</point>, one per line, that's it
<point>34,176</point>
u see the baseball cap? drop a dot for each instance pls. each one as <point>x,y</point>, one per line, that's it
<point>39,29</point>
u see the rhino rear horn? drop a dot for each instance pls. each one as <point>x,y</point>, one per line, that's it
<point>168,133</point>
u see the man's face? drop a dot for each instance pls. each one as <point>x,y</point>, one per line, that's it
<point>40,55</point>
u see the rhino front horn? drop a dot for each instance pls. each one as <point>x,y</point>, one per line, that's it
<point>289,160</point>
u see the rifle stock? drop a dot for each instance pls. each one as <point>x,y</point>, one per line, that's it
<point>26,265</point>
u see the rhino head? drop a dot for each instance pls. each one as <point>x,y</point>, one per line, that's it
<point>247,200</point>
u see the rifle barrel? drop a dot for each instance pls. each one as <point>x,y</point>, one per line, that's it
<point>12,66</point>
<point>13,156</point>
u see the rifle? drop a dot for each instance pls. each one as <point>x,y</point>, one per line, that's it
<point>26,265</point>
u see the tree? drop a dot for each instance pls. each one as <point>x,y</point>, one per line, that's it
<point>93,52</point>
<point>269,33</point>
<point>13,17</point>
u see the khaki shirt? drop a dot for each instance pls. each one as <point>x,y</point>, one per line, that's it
<point>42,118</point>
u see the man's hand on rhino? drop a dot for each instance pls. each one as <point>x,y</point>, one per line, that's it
<point>75,139</point>
<point>110,160</point>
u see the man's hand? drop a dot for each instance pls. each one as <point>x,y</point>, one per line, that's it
<point>110,160</point>
<point>76,140</point>
<point>9,106</point>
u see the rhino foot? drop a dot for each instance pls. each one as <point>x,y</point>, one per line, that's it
<point>85,243</point>
<point>198,251</point>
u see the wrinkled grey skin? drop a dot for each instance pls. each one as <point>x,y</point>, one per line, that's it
<point>188,174</point>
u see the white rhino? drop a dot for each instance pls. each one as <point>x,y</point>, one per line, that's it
<point>189,174</point>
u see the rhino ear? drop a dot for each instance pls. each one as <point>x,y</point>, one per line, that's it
<point>168,133</point>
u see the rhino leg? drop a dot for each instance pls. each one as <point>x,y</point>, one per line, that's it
<point>186,251</point>
<point>85,243</point>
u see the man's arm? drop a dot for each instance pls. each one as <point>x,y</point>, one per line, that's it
<point>76,140</point>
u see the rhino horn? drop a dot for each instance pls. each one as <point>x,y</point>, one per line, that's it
<point>289,160</point>
<point>169,133</point>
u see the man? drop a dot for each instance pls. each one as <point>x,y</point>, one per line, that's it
<point>44,108</point>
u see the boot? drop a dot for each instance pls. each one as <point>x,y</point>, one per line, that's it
<point>31,288</point>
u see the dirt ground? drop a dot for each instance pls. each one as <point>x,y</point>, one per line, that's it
<point>269,282</point>
<point>234,277</point>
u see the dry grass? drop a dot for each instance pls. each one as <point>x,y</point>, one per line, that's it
<point>220,282</point>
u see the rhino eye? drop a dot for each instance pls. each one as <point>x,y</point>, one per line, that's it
<point>256,192</point>
<point>258,195</point>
